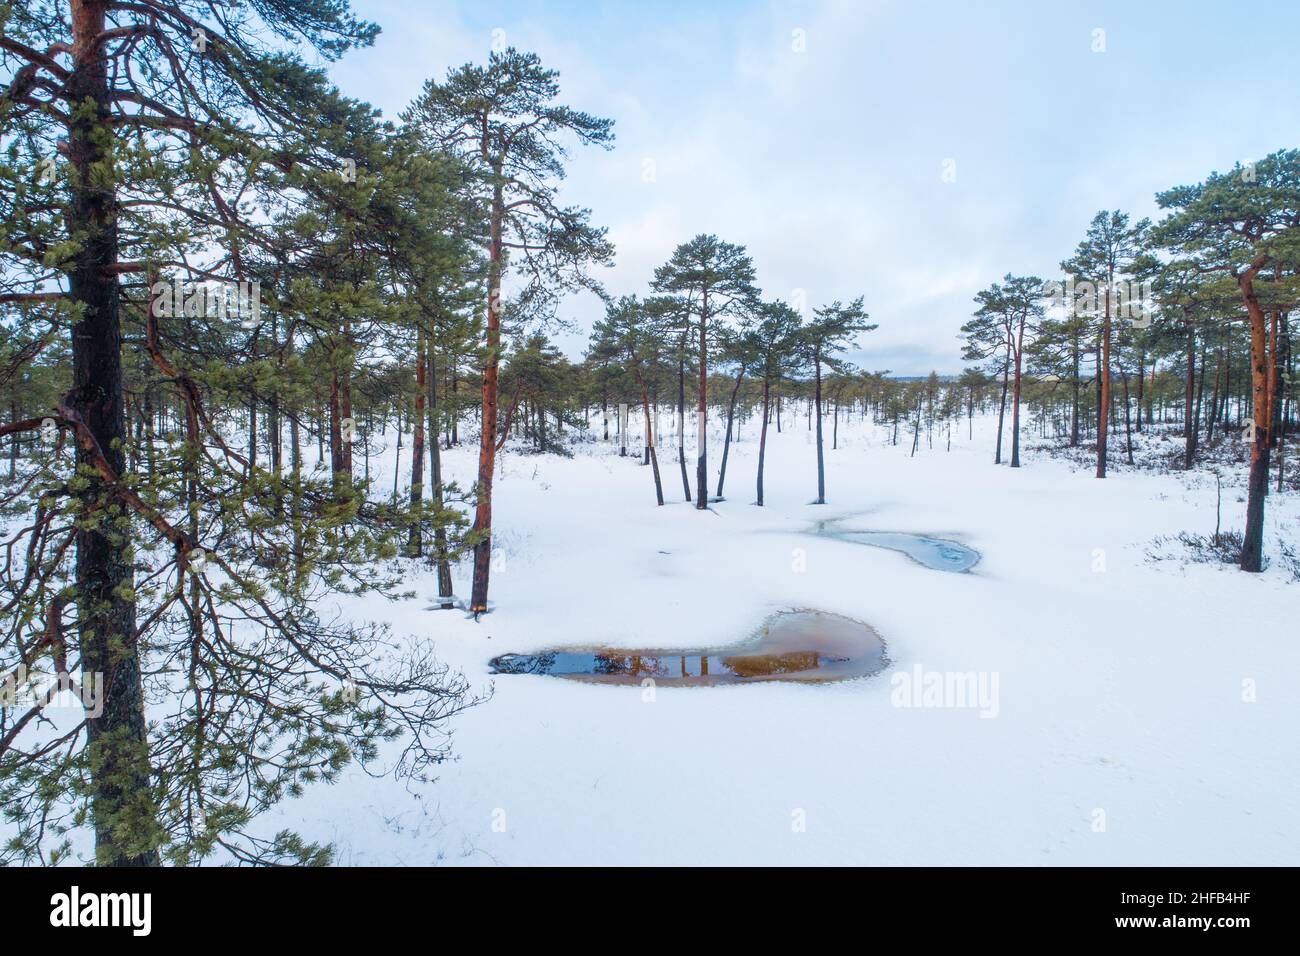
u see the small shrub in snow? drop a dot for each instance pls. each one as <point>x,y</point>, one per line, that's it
<point>1223,548</point>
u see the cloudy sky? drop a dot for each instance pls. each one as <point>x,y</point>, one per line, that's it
<point>909,152</point>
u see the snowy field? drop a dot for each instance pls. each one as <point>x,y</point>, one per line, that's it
<point>1144,713</point>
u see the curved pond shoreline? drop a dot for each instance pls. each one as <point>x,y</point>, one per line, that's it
<point>798,645</point>
<point>937,554</point>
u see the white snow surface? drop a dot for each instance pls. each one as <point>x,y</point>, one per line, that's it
<point>1124,730</point>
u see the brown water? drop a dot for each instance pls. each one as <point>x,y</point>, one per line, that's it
<point>804,646</point>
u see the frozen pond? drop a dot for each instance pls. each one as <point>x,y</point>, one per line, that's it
<point>804,646</point>
<point>938,554</point>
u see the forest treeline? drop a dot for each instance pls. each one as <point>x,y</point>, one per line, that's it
<point>1204,295</point>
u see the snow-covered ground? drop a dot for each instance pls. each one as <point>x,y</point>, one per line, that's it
<point>1137,712</point>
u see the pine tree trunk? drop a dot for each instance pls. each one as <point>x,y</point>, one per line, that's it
<point>1096,381</point>
<point>1074,391</point>
<point>149,417</point>
<point>415,540</point>
<point>397,465</point>
<point>340,408</point>
<point>701,425</point>
<point>295,465</point>
<point>1128,424</point>
<point>1103,410</point>
<point>1002,405</point>
<point>336,430</point>
<point>121,803</point>
<point>1285,410</point>
<point>454,402</point>
<point>817,403</point>
<point>1141,384</point>
<point>681,425</point>
<point>731,417</point>
<point>1213,422</point>
<point>1252,546</point>
<point>1200,401</point>
<point>1151,418</point>
<point>1274,373</point>
<point>15,416</point>
<point>762,442</point>
<point>274,425</point>
<point>1015,404</point>
<point>650,441</point>
<point>435,478</point>
<point>488,433</point>
<point>252,435</point>
<point>1189,409</point>
<point>916,430</point>
<point>1227,386</point>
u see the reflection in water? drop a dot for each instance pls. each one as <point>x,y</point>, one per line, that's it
<point>807,646</point>
<point>935,553</point>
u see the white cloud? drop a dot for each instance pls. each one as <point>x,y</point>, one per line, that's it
<point>826,164</point>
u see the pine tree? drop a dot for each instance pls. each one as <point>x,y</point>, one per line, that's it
<point>503,123</point>
<point>832,330</point>
<point>1241,225</point>
<point>712,282</point>
<point>629,335</point>
<point>1011,310</point>
<point>778,335</point>
<point>1107,252</point>
<point>988,337</point>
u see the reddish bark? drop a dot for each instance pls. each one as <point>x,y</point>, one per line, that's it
<point>415,543</point>
<point>702,453</point>
<point>1103,409</point>
<point>1252,546</point>
<point>487,449</point>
